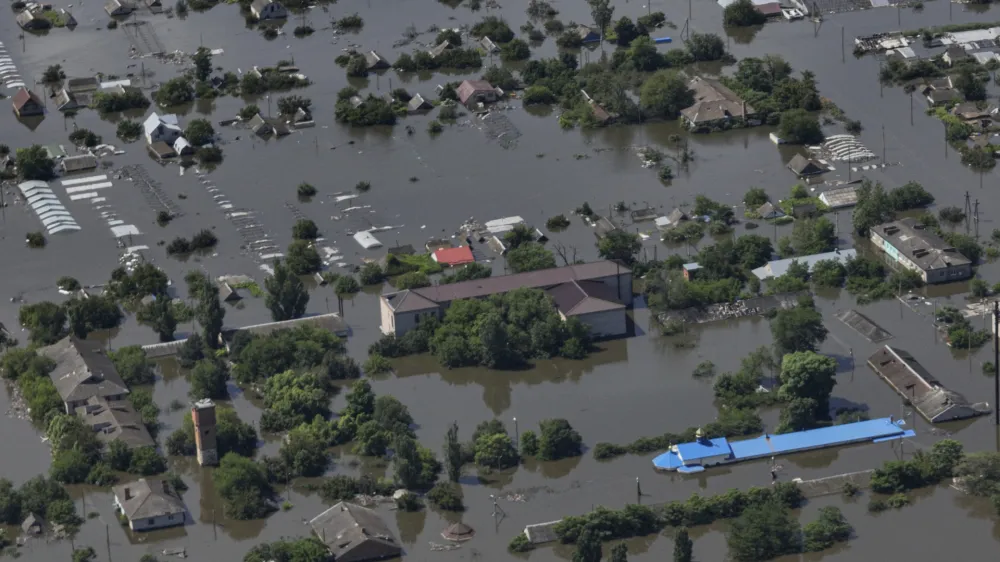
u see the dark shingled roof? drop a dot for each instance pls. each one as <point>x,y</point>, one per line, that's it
<point>543,278</point>
<point>584,297</point>
<point>148,499</point>
<point>354,533</point>
<point>332,322</point>
<point>83,370</point>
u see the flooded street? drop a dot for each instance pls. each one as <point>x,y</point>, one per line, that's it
<point>634,387</point>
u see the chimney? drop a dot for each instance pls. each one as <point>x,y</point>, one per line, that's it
<point>128,493</point>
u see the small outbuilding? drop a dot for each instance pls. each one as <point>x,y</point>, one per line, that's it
<point>418,103</point>
<point>162,150</point>
<point>805,167</point>
<point>33,524</point>
<point>770,211</point>
<point>375,62</point>
<point>459,532</point>
<point>118,7</point>
<point>78,163</point>
<point>27,104</point>
<point>66,101</point>
<point>268,10</point>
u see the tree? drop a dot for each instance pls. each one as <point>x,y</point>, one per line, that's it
<point>45,321</point>
<point>588,546</point>
<point>665,94</point>
<point>53,74</point>
<point>305,229</point>
<point>304,452</point>
<point>496,451</point>
<point>980,474</point>
<point>146,461</point>
<point>309,549</point>
<point>799,414</point>
<point>286,294</point>
<point>814,236</point>
<point>132,365</point>
<point>828,273</point>
<point>360,401</point>
<point>292,398</point>
<point>454,459</point>
<point>753,250</point>
<point>602,11</point>
<point>797,329</point>
<point>558,440</point>
<point>248,112</point>
<point>208,380</point>
<point>831,527</point>
<point>406,462</point>
<point>191,351</point>
<point>302,258</point>
<point>874,207</point>
<point>202,59</point>
<point>530,257</point>
<point>971,86</point>
<point>243,485</point>
<point>764,531</point>
<point>159,315</point>
<point>346,285</point>
<point>69,466</point>
<point>199,132</point>
<point>625,31</point>
<point>288,105</point>
<point>805,374</point>
<point>619,552</point>
<point>742,13</point>
<point>706,47</point>
<point>529,443</point>
<point>619,245</point>
<point>33,163</point>
<point>176,91</point>
<point>755,197</point>
<point>91,314</point>
<point>798,126</point>
<point>411,280</point>
<point>211,315</point>
<point>682,546</point>
<point>516,50</point>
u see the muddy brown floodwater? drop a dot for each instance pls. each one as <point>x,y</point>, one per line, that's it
<point>634,387</point>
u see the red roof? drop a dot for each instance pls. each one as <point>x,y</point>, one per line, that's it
<point>769,9</point>
<point>454,256</point>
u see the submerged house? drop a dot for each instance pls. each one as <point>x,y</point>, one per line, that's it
<point>354,533</point>
<point>161,128</point>
<point>118,7</point>
<point>149,504</point>
<point>924,392</point>
<point>596,293</point>
<point>714,105</point>
<point>910,245</point>
<point>472,92</point>
<point>26,104</point>
<point>83,371</point>
<point>804,167</point>
<point>115,420</point>
<point>268,10</point>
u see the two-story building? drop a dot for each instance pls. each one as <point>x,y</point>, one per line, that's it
<point>910,245</point>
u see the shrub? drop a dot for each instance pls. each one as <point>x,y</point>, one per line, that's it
<point>557,222</point>
<point>447,496</point>
<point>306,190</point>
<point>35,240</point>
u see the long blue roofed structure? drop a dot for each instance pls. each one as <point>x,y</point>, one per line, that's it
<point>694,457</point>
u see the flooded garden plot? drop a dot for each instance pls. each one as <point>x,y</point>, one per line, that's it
<point>459,173</point>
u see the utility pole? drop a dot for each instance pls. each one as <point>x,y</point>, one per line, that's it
<point>975,214</point>
<point>883,146</point>
<point>843,48</point>
<point>911,109</point>
<point>996,361</point>
<point>968,212</point>
<point>107,538</point>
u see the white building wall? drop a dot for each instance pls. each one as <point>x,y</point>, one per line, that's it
<point>156,522</point>
<point>608,323</point>
<point>706,461</point>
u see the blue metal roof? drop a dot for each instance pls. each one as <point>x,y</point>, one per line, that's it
<point>703,448</point>
<point>768,445</point>
<point>667,461</point>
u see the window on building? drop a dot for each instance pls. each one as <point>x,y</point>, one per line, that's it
<point>151,521</point>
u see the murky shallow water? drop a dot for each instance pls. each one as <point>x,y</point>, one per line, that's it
<point>635,387</point>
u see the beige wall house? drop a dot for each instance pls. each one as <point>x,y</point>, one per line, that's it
<point>597,293</point>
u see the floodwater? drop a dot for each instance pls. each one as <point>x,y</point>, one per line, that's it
<point>631,388</point>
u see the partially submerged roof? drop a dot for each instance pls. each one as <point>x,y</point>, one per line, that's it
<point>920,245</point>
<point>840,197</point>
<point>453,256</point>
<point>83,370</point>
<point>777,268</point>
<point>408,301</point>
<point>146,499</point>
<point>913,382</point>
<point>577,298</point>
<point>331,321</point>
<point>540,279</point>
<point>469,88</point>
<point>703,448</point>
<point>714,101</point>
<point>81,162</point>
<point>115,420</point>
<point>770,211</point>
<point>354,533</point>
<point>803,166</point>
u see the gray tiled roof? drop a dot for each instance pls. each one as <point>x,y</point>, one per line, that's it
<point>83,370</point>
<point>584,297</point>
<point>148,499</point>
<point>354,533</point>
<point>920,245</point>
<point>116,419</point>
